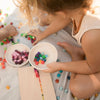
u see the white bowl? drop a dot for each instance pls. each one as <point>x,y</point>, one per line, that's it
<point>11,49</point>
<point>47,49</point>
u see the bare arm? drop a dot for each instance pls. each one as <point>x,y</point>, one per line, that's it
<point>91,47</point>
<point>57,24</point>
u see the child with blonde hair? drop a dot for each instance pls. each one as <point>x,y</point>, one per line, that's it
<point>85,73</point>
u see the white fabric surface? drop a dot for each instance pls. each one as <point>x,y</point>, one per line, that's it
<point>9,76</point>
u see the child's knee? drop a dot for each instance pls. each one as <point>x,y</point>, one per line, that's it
<point>77,90</point>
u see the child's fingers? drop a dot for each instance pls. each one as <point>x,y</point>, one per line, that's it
<point>30,33</point>
<point>35,43</point>
<point>46,71</point>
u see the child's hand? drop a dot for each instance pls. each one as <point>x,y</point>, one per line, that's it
<point>37,33</point>
<point>53,67</point>
<point>11,30</point>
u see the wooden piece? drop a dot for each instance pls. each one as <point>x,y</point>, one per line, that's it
<point>30,87</point>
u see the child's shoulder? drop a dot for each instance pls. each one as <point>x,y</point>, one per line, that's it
<point>91,37</point>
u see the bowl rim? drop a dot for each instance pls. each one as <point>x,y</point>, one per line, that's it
<point>36,46</point>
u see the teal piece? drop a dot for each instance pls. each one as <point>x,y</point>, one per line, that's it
<point>58,97</point>
<point>46,56</point>
<point>18,40</point>
<point>30,64</point>
<point>64,50</point>
<point>58,60</point>
<point>68,77</point>
<point>41,58</point>
<point>60,88</point>
<point>60,71</point>
<point>44,60</point>
<point>40,55</point>
<point>66,90</point>
<point>58,75</point>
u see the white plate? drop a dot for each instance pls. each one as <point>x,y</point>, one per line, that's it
<point>11,49</point>
<point>47,49</point>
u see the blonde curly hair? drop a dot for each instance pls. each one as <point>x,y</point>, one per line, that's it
<point>30,7</point>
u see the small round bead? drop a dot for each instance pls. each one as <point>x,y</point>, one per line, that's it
<point>38,59</point>
<point>44,56</point>
<point>60,88</point>
<point>28,38</point>
<point>3,67</point>
<point>5,24</point>
<point>96,95</point>
<point>41,58</point>
<point>7,87</point>
<point>40,55</point>
<point>0,59</point>
<point>57,80</point>
<point>58,97</point>
<point>11,23</point>
<point>22,34</point>
<point>64,50</point>
<point>6,15</point>
<point>36,62</point>
<point>2,43</point>
<point>18,40</point>
<point>32,41</point>
<point>2,26</point>
<point>60,71</point>
<point>58,75</point>
<point>5,48</point>
<point>42,62</point>
<point>58,60</point>
<point>66,91</point>
<point>4,60</point>
<point>68,77</point>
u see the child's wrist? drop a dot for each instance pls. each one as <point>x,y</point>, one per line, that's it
<point>60,64</point>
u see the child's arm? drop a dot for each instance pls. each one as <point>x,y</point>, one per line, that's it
<point>7,31</point>
<point>57,24</point>
<point>91,46</point>
<point>80,67</point>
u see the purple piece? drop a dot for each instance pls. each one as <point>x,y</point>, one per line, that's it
<point>18,52</point>
<point>37,55</point>
<point>12,40</point>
